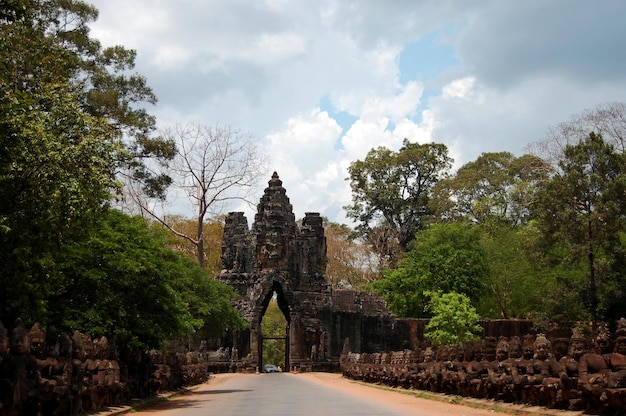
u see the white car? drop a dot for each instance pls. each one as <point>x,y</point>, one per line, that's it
<point>271,368</point>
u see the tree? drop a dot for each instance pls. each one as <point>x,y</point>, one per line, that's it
<point>212,234</point>
<point>350,262</point>
<point>445,258</point>
<point>607,120</point>
<point>214,166</point>
<point>70,119</point>
<point>46,43</point>
<point>496,187</point>
<point>125,283</point>
<point>581,213</point>
<point>56,172</point>
<point>454,319</point>
<point>511,284</point>
<point>392,189</point>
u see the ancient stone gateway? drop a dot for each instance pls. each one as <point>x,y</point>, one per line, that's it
<point>276,257</point>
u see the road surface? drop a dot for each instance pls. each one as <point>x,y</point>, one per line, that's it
<point>308,394</point>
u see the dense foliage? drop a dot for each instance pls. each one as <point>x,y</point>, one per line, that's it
<point>392,190</point>
<point>72,122</point>
<point>581,213</point>
<point>518,236</point>
<point>445,258</point>
<point>124,282</point>
<point>454,320</point>
<point>496,187</point>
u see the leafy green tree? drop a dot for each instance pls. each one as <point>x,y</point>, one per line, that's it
<point>446,258</point>
<point>581,214</point>
<point>454,320</point>
<point>124,282</point>
<point>53,184</point>
<point>392,190</point>
<point>70,121</point>
<point>511,285</point>
<point>46,43</point>
<point>496,187</point>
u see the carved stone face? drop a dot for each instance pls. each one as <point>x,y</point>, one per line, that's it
<point>541,350</point>
<point>601,344</point>
<point>528,351</point>
<point>78,350</point>
<point>37,346</point>
<point>515,348</point>
<point>577,349</point>
<point>489,353</point>
<point>19,341</point>
<point>502,354</point>
<point>620,345</point>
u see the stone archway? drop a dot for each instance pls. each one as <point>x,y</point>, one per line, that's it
<point>278,255</point>
<point>283,305</point>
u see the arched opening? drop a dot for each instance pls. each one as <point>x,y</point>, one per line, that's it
<point>274,334</point>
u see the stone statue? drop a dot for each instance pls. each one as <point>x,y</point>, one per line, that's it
<point>593,370</point>
<point>570,395</point>
<point>616,381</point>
<point>500,385</point>
<point>616,360</point>
<point>20,375</point>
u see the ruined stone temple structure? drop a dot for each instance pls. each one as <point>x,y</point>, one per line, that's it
<point>277,257</point>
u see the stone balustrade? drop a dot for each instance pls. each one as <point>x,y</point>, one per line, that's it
<point>57,374</point>
<point>576,374</point>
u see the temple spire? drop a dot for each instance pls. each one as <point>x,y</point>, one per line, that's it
<point>275,181</point>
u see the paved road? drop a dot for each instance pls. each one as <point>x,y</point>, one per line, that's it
<point>293,394</point>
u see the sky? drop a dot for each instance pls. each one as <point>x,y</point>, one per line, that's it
<point>320,83</point>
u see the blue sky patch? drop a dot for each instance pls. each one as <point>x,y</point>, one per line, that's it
<point>424,61</point>
<point>343,118</point>
<point>426,58</point>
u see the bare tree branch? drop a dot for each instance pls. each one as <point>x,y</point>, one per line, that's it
<point>214,167</point>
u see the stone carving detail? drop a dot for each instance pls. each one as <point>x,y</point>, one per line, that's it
<point>275,242</point>
<point>47,373</point>
<point>591,380</point>
<point>236,253</point>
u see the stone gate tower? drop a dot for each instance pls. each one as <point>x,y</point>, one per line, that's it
<point>276,257</point>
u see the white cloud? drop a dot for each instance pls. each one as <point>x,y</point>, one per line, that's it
<point>395,107</point>
<point>269,49</point>
<point>169,57</point>
<point>264,67</point>
<point>459,88</point>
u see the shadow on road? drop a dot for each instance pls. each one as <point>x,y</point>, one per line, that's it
<point>189,402</point>
<point>220,391</point>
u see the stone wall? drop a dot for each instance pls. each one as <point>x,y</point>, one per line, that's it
<point>57,374</point>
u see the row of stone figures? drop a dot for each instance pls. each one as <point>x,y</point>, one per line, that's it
<point>576,374</point>
<point>57,374</point>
